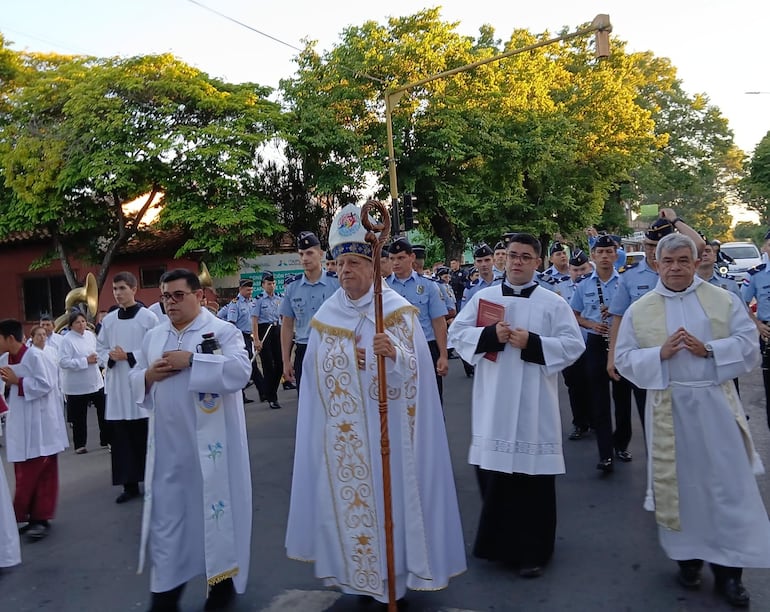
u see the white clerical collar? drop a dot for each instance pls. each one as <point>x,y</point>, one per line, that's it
<point>666,292</point>
<point>517,289</point>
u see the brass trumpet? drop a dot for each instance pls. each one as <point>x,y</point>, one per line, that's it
<point>88,293</point>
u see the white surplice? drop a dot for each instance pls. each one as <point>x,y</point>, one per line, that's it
<point>10,551</point>
<point>35,424</point>
<point>723,519</point>
<point>336,517</point>
<point>516,420</point>
<point>175,521</point>
<point>127,334</point>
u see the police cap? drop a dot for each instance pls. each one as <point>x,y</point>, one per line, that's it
<point>305,240</point>
<point>400,245</point>
<point>482,250</point>
<point>578,258</point>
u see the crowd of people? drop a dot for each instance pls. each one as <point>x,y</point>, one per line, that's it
<point>168,383</point>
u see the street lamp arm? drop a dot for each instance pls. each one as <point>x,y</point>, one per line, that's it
<point>601,23</point>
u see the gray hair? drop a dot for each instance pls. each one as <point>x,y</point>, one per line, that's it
<point>675,241</point>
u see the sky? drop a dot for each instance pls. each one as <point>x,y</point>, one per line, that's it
<point>717,46</point>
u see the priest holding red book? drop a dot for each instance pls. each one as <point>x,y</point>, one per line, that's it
<point>517,439</point>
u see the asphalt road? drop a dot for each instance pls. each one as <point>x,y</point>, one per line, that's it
<point>607,555</point>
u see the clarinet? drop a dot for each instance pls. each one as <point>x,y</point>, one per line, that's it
<point>605,312</point>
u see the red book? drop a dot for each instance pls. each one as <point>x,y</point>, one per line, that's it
<point>490,313</point>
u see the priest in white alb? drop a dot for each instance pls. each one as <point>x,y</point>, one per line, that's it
<point>35,429</point>
<point>529,336</point>
<point>197,504</point>
<point>336,517</point>
<point>684,342</point>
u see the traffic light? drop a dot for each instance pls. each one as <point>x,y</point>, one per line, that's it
<point>409,210</point>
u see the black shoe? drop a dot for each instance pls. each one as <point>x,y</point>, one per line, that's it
<point>221,596</point>
<point>288,386</point>
<point>734,593</point>
<point>578,433</point>
<point>167,601</point>
<point>127,495</point>
<point>689,576</point>
<point>533,571</point>
<point>38,531</point>
<point>453,355</point>
<point>624,455</point>
<point>274,405</point>
<point>605,465</point>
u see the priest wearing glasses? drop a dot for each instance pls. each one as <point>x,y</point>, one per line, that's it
<point>519,348</point>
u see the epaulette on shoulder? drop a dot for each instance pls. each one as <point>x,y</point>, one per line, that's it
<point>290,279</point>
<point>756,269</point>
<point>726,275</point>
<point>547,279</point>
<point>581,278</point>
<point>331,273</point>
<point>562,277</point>
<point>627,267</point>
<point>234,300</point>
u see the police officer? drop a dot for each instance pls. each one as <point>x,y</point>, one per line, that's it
<point>484,264</point>
<point>590,304</point>
<point>425,295</point>
<point>303,298</point>
<point>707,270</point>
<point>458,280</point>
<point>757,287</point>
<point>557,255</point>
<point>331,264</point>
<point>419,259</point>
<point>266,329</point>
<point>498,259</point>
<point>239,314</point>
<point>442,280</point>
<point>575,377</point>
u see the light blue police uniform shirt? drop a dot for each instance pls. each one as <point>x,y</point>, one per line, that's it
<point>478,286</point>
<point>222,312</point>
<point>636,279</point>
<point>757,285</point>
<point>726,282</point>
<point>239,312</point>
<point>302,300</point>
<point>266,308</point>
<point>586,300</point>
<point>448,295</point>
<point>425,295</point>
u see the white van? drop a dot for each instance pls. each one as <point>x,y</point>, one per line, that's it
<point>744,255</point>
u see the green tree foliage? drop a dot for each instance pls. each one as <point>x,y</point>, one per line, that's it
<point>745,230</point>
<point>756,185</point>
<point>696,167</point>
<point>537,142</point>
<point>83,136</point>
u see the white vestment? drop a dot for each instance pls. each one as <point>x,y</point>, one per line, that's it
<point>35,424</point>
<point>156,309</point>
<point>10,552</point>
<point>336,517</point>
<point>721,514</point>
<point>516,421</point>
<point>188,534</point>
<point>127,334</point>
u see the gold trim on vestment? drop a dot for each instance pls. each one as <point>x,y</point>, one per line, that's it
<point>223,576</point>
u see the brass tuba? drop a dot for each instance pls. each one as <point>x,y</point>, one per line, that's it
<point>207,283</point>
<point>88,293</point>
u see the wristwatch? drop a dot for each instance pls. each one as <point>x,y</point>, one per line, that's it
<point>675,221</point>
<point>709,352</point>
<point>191,359</point>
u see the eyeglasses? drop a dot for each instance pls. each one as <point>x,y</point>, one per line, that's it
<point>176,296</point>
<point>524,258</point>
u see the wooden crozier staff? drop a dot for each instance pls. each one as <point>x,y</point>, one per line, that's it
<point>377,242</point>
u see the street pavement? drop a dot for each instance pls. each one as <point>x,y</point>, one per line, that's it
<point>607,555</point>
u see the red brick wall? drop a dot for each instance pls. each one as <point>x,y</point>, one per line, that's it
<point>14,268</point>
